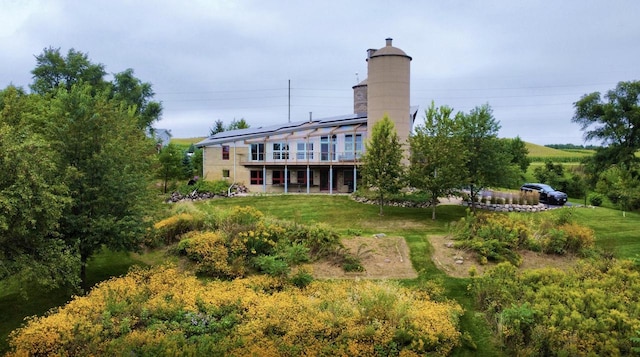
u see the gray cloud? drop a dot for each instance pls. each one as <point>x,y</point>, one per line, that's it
<point>211,60</point>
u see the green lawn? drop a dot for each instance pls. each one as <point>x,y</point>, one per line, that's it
<point>614,232</point>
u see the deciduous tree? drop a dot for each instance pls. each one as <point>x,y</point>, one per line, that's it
<point>382,167</point>
<point>614,121</point>
<point>33,198</point>
<point>437,163</point>
<point>488,161</point>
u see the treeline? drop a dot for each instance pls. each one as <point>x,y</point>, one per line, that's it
<point>572,147</point>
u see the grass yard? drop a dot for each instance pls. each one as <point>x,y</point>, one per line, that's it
<point>614,232</point>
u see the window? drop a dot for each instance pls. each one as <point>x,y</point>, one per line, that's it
<point>280,151</point>
<point>352,146</point>
<point>225,173</point>
<point>302,177</point>
<point>277,178</point>
<point>257,152</point>
<point>256,177</point>
<point>327,148</point>
<point>305,151</point>
<point>225,152</point>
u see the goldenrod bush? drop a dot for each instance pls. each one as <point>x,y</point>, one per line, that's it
<point>165,312</point>
<point>170,229</point>
<point>592,310</point>
<point>498,237</point>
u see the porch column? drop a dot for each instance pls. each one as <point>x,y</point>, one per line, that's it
<point>264,179</point>
<point>331,179</point>
<point>286,184</point>
<point>355,176</point>
<point>308,181</point>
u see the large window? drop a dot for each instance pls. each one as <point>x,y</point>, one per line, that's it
<point>257,152</point>
<point>280,151</point>
<point>225,152</point>
<point>352,146</point>
<point>257,177</point>
<point>328,148</point>
<point>302,177</point>
<point>305,151</point>
<point>278,177</point>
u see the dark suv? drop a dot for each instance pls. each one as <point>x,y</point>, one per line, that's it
<point>547,194</point>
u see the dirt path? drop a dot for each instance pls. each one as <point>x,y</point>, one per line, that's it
<point>385,258</point>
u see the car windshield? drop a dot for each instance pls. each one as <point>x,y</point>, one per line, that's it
<point>546,187</point>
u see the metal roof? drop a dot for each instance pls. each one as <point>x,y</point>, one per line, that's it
<point>272,130</point>
<point>280,129</point>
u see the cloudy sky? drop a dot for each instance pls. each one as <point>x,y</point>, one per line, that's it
<point>223,59</point>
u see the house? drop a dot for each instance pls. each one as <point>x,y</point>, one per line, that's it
<point>316,155</point>
<point>162,136</point>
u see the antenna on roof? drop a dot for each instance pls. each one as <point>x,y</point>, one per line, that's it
<point>289,115</point>
<point>357,78</point>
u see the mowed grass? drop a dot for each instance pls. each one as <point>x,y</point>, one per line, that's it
<point>543,152</point>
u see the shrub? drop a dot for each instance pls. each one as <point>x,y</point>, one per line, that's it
<point>209,252</point>
<point>589,310</point>
<point>170,229</point>
<point>302,278</point>
<point>295,254</point>
<point>272,265</point>
<point>595,199</point>
<point>320,239</point>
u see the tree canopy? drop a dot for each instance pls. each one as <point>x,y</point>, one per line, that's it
<point>382,167</point>
<point>437,163</point>
<point>75,167</point>
<point>614,121</point>
<point>489,161</point>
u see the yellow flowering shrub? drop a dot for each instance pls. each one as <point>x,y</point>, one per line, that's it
<point>170,229</point>
<point>209,252</point>
<point>591,310</point>
<point>163,311</point>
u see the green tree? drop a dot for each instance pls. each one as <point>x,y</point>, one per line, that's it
<point>621,186</point>
<point>33,197</point>
<point>488,161</point>
<point>137,94</point>
<point>519,152</point>
<point>217,128</point>
<point>437,159</point>
<point>171,167</point>
<point>53,71</point>
<point>382,167</point>
<point>100,140</point>
<point>615,121</point>
<point>238,124</point>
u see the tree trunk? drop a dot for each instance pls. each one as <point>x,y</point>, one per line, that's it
<point>434,200</point>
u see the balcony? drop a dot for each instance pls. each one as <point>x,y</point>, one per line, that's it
<point>304,158</point>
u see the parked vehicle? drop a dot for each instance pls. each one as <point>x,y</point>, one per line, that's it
<point>547,193</point>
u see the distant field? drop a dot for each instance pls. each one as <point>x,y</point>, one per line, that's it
<point>186,141</point>
<point>539,153</point>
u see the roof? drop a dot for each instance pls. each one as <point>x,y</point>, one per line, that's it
<point>302,128</point>
<point>390,50</point>
<point>273,130</point>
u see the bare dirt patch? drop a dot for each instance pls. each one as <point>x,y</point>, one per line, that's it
<point>388,258</point>
<point>446,258</point>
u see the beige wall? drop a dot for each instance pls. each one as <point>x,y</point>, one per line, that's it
<point>389,93</point>
<point>214,165</point>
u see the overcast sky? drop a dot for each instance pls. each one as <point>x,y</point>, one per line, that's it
<point>209,60</point>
